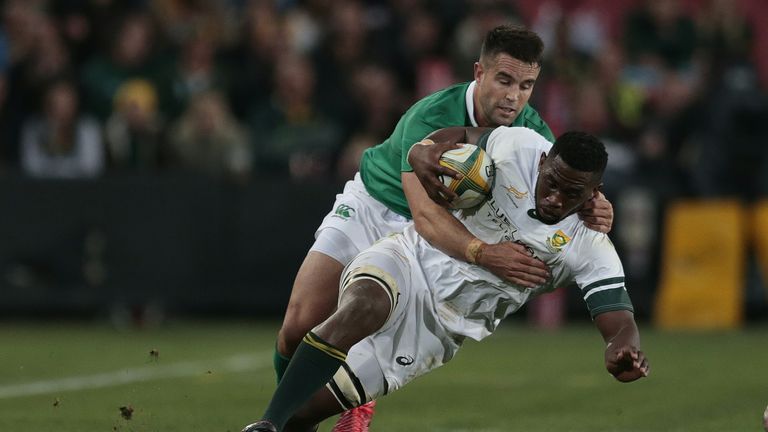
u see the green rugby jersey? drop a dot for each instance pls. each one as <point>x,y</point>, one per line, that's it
<point>381,166</point>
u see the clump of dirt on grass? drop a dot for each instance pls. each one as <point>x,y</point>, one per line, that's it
<point>126,412</point>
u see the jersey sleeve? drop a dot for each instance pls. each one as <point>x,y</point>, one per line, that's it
<point>415,130</point>
<point>418,123</point>
<point>598,272</point>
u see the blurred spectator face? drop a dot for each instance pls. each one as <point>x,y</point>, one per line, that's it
<point>198,54</point>
<point>76,27</point>
<point>134,41</point>
<point>610,63</point>
<point>348,20</point>
<point>653,145</point>
<point>375,86</point>
<point>675,93</point>
<point>61,103</point>
<point>208,112</point>
<point>136,101</point>
<point>264,29</point>
<point>349,32</point>
<point>377,93</point>
<point>422,34</point>
<point>21,22</point>
<point>51,54</point>
<point>294,78</point>
<point>664,11</point>
<point>504,85</point>
<point>590,108</point>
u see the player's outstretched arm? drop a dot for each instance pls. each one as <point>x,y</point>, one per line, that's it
<point>597,214</point>
<point>623,357</point>
<point>424,158</point>
<point>506,260</point>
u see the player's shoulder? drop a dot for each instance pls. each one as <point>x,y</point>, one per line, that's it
<point>448,101</point>
<point>505,140</point>
<point>531,119</point>
<point>587,244</point>
<point>447,96</point>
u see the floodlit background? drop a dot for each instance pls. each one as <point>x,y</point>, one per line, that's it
<point>163,166</point>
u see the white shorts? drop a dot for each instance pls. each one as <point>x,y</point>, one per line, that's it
<point>356,221</point>
<point>412,341</point>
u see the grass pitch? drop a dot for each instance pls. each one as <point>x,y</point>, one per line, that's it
<point>218,376</point>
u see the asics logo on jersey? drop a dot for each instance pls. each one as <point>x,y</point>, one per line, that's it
<point>404,360</point>
<point>557,241</point>
<point>344,211</point>
<point>516,193</point>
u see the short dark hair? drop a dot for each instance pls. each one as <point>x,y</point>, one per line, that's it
<point>514,40</point>
<point>581,151</point>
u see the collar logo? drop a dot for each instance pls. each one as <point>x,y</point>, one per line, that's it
<point>557,241</point>
<point>516,193</point>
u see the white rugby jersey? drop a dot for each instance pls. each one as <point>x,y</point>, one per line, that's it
<point>471,301</point>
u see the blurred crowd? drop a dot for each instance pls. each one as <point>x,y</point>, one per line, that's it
<point>299,88</point>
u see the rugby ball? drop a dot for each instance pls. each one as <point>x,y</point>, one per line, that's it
<point>478,172</point>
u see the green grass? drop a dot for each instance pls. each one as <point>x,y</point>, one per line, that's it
<point>517,380</point>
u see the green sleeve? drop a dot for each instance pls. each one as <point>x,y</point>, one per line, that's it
<point>415,128</point>
<point>482,142</point>
<point>421,122</point>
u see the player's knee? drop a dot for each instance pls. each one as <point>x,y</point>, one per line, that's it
<point>296,324</point>
<point>362,310</point>
<point>371,314</point>
<point>289,337</point>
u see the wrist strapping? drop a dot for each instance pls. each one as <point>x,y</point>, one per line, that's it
<point>474,250</point>
<point>425,141</point>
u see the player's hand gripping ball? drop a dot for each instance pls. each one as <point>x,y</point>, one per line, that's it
<point>477,171</point>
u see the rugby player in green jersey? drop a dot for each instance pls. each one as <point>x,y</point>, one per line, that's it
<point>373,205</point>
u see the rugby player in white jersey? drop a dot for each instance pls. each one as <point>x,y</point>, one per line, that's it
<point>405,307</point>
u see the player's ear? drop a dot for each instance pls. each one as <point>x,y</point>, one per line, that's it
<point>478,71</point>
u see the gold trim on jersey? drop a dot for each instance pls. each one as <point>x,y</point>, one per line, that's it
<point>516,193</point>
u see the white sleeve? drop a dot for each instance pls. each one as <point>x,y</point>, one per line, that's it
<point>598,272</point>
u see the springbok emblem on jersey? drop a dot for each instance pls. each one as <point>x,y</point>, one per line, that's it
<point>557,241</point>
<point>516,193</point>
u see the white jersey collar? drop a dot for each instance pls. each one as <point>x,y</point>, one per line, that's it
<point>471,102</point>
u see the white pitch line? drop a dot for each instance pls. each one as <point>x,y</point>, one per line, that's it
<point>236,363</point>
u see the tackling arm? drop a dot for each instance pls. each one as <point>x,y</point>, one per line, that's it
<point>507,260</point>
<point>434,223</point>
<point>424,158</point>
<point>623,357</point>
